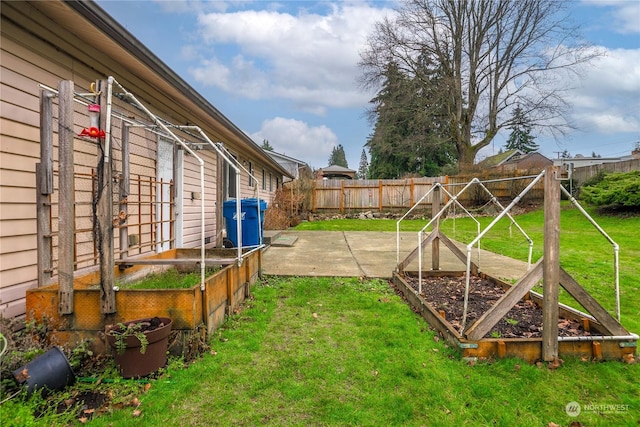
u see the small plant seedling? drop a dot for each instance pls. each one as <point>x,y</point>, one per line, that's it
<point>122,331</point>
<point>512,321</point>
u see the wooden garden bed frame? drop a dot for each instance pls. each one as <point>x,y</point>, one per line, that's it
<point>190,309</point>
<point>614,340</point>
<point>600,346</point>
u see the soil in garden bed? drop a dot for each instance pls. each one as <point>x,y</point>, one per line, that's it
<point>524,320</point>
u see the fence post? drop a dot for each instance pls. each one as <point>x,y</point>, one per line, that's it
<point>104,212</point>
<point>411,191</point>
<point>342,196</point>
<point>380,194</point>
<point>313,197</point>
<point>44,184</point>
<point>551,266</point>
<point>66,220</point>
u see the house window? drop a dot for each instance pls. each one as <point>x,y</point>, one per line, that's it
<point>277,182</point>
<point>232,191</point>
<point>264,179</point>
<point>270,182</point>
<point>251,174</point>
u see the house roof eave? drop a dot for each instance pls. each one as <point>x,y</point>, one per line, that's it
<point>95,15</point>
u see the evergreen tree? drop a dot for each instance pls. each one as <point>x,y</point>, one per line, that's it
<point>363,169</point>
<point>408,137</point>
<point>520,137</point>
<point>488,54</point>
<point>338,157</point>
<point>266,146</point>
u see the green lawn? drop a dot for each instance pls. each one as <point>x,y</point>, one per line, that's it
<point>344,351</point>
<point>335,351</point>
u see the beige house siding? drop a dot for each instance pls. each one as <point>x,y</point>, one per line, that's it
<point>44,43</point>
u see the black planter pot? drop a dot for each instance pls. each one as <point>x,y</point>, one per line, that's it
<point>132,363</point>
<point>50,372</point>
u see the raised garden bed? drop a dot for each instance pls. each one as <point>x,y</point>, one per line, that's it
<point>445,294</point>
<point>517,334</point>
<point>189,308</point>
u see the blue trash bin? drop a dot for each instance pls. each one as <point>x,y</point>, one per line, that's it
<point>251,229</point>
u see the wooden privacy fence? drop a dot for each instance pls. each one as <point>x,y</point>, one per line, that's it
<point>402,194</point>
<point>502,186</point>
<point>371,194</point>
<point>583,173</point>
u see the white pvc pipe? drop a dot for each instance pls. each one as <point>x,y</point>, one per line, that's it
<point>489,227</point>
<point>420,262</point>
<point>616,247</point>
<point>201,163</point>
<point>601,338</point>
<point>238,210</point>
<point>452,199</point>
<point>107,137</point>
<point>415,205</point>
<point>513,222</point>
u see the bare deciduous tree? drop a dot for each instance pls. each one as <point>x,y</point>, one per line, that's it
<point>494,54</point>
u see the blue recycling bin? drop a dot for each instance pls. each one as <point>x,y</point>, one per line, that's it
<point>251,229</point>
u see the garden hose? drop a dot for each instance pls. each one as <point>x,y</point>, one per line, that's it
<point>3,345</point>
<point>111,380</point>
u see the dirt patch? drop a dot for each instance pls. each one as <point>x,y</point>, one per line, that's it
<point>524,320</point>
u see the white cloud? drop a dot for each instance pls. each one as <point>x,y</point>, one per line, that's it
<point>189,6</point>
<point>309,59</point>
<point>626,14</point>
<point>297,139</point>
<point>608,99</point>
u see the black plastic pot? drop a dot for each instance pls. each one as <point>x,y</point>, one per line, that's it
<point>50,371</point>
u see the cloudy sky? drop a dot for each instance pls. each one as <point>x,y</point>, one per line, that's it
<point>286,71</point>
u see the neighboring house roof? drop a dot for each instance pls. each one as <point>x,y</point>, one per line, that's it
<point>529,160</point>
<point>580,161</point>
<point>336,168</point>
<point>335,171</point>
<point>284,157</point>
<point>294,166</point>
<point>500,158</point>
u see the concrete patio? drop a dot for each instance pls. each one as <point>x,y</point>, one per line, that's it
<point>365,253</point>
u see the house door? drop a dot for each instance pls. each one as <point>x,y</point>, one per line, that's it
<point>163,195</point>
